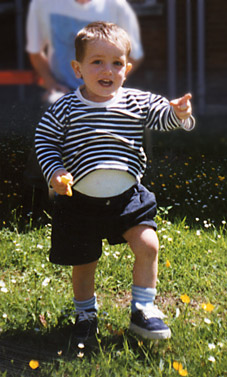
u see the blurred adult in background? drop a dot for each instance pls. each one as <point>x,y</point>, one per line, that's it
<point>51,29</point>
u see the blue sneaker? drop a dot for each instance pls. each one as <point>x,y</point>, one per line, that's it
<point>147,322</point>
<point>86,325</point>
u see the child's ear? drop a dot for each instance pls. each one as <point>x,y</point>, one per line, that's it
<point>76,68</point>
<point>128,68</point>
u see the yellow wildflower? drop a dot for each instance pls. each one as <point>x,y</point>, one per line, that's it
<point>183,372</point>
<point>34,364</point>
<point>207,307</point>
<point>185,298</point>
<point>168,264</point>
<point>177,366</point>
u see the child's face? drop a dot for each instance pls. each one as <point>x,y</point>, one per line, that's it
<point>103,69</point>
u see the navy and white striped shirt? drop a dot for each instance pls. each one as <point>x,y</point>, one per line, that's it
<point>83,136</point>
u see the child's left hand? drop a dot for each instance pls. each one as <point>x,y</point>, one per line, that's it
<point>182,106</point>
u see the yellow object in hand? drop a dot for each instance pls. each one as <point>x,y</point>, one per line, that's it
<point>66,180</point>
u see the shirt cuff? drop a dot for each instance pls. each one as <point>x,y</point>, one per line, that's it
<point>188,124</point>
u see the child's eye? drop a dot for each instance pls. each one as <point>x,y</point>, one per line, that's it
<point>118,63</point>
<point>96,62</point>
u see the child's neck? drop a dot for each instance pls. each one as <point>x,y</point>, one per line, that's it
<point>96,98</point>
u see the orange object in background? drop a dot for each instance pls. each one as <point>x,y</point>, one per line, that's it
<point>19,77</point>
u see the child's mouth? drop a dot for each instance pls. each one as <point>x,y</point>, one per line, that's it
<point>106,83</point>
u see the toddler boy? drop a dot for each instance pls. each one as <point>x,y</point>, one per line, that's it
<point>93,136</point>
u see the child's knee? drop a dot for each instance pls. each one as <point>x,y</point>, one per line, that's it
<point>143,240</point>
<point>151,244</point>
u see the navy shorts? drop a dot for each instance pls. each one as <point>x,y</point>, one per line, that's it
<point>81,222</point>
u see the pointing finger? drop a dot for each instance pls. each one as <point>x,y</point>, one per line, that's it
<point>174,102</point>
<point>181,102</point>
<point>185,98</point>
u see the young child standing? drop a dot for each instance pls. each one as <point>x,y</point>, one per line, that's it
<point>93,136</point>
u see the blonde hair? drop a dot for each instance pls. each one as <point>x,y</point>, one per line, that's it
<point>101,31</point>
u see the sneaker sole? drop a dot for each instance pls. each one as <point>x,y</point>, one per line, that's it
<point>146,334</point>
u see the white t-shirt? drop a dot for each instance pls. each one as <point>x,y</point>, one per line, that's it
<point>53,24</point>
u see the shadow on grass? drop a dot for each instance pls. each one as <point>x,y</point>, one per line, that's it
<point>18,348</point>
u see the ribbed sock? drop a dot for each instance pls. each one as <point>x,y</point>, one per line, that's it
<point>87,304</point>
<point>142,296</point>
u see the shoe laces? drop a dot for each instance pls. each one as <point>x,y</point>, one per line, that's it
<point>150,311</point>
<point>84,315</point>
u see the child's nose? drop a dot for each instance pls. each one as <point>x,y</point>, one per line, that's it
<point>108,68</point>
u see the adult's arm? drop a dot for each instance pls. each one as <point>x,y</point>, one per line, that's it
<point>37,44</point>
<point>40,64</point>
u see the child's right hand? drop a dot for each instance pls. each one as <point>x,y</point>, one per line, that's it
<point>182,106</point>
<point>58,185</point>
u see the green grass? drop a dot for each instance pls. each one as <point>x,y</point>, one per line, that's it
<point>37,310</point>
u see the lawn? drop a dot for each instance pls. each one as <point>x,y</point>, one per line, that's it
<point>37,310</point>
<point>188,176</point>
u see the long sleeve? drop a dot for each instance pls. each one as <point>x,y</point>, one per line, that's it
<point>49,140</point>
<point>161,116</point>
<point>82,136</point>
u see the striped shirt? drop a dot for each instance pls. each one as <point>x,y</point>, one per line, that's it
<point>83,136</point>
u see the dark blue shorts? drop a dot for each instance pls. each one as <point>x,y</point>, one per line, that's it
<point>81,222</point>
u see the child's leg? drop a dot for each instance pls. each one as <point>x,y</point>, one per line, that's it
<point>144,243</point>
<point>83,279</point>
<point>146,319</point>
